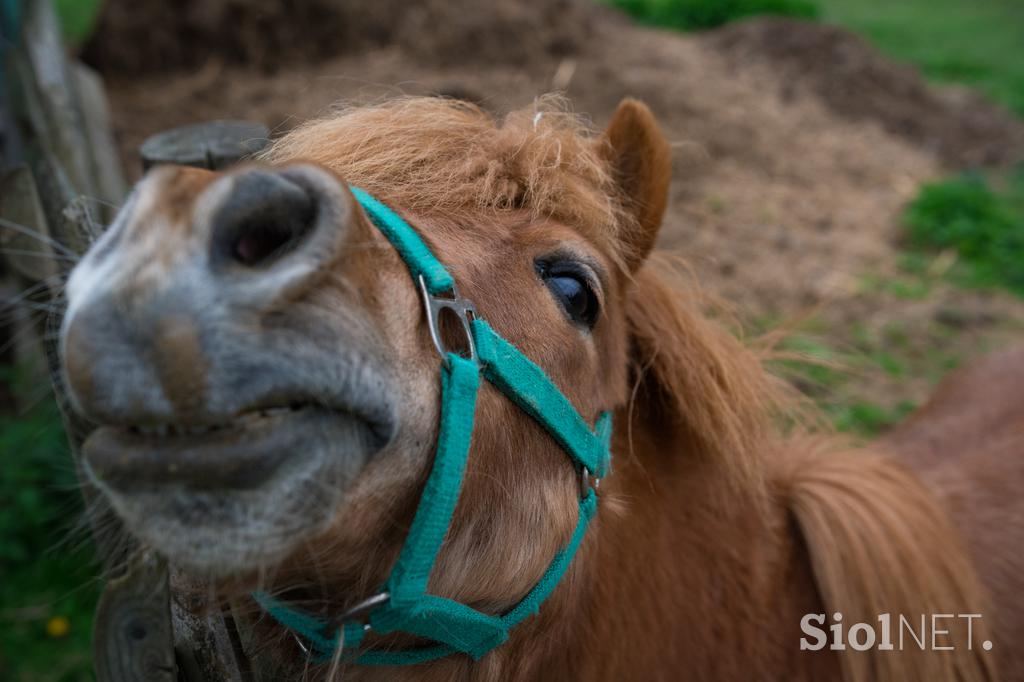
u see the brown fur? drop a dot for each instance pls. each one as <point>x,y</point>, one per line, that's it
<point>717,530</point>
<point>883,544</point>
<point>967,445</point>
<point>641,162</point>
<point>433,156</point>
<point>178,358</point>
<point>183,186</point>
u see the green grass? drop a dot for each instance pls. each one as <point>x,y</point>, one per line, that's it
<point>869,419</point>
<point>58,589</point>
<point>690,15</point>
<point>49,589</point>
<point>862,377</point>
<point>978,219</point>
<point>909,288</point>
<point>824,373</point>
<point>979,43</point>
<point>77,18</point>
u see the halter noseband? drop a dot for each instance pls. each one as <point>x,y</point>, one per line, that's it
<point>402,604</point>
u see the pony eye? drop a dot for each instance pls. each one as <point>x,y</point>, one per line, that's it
<point>573,291</point>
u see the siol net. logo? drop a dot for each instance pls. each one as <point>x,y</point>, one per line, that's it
<point>927,632</point>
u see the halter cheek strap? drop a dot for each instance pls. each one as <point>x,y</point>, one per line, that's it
<point>403,603</point>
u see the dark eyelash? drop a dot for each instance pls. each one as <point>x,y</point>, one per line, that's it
<point>568,267</point>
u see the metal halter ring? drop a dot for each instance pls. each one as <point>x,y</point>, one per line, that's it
<point>358,612</point>
<point>463,309</point>
<point>361,610</point>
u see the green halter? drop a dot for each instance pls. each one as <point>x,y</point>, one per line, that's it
<point>402,603</point>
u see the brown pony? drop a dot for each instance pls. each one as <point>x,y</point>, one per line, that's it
<point>258,360</point>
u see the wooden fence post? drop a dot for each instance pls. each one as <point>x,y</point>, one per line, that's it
<point>66,187</point>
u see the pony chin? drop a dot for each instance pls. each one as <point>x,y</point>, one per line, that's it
<point>230,533</point>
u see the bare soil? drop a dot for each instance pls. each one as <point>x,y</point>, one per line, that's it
<point>148,36</point>
<point>859,83</point>
<point>796,145</point>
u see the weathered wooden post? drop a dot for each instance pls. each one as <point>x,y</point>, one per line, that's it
<point>213,145</point>
<point>45,206</point>
<point>59,159</point>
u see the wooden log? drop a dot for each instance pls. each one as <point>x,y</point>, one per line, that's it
<point>132,629</point>
<point>132,638</point>
<point>53,184</point>
<point>206,643</point>
<point>24,233</point>
<point>213,145</point>
<point>28,270</point>
<point>63,127</point>
<point>43,100</point>
<point>61,124</point>
<point>104,162</point>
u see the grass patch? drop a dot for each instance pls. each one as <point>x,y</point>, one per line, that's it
<point>972,42</point>
<point>940,37</point>
<point>694,15</point>
<point>982,222</point>
<point>77,18</point>
<point>869,419</point>
<point>914,287</point>
<point>866,378</point>
<point>49,589</point>
<point>826,374</point>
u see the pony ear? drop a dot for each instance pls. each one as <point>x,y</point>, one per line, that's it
<point>640,161</point>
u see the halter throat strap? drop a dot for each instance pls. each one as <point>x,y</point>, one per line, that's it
<point>403,604</point>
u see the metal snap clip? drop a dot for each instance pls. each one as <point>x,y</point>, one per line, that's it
<point>463,309</point>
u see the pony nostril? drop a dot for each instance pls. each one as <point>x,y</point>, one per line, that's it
<point>263,218</point>
<point>262,242</point>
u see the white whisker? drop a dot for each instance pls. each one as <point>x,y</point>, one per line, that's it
<point>29,291</point>
<point>102,202</point>
<point>38,254</point>
<point>29,232</point>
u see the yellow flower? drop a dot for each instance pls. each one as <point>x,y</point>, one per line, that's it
<point>58,626</point>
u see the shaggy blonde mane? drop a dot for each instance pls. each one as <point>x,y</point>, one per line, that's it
<point>430,154</point>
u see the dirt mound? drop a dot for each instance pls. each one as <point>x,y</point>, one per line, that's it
<point>145,36</point>
<point>851,78</point>
<point>777,202</point>
<point>857,82</point>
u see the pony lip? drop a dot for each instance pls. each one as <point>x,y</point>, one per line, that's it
<point>240,454</point>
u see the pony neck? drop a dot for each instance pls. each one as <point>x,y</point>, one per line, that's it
<point>683,565</point>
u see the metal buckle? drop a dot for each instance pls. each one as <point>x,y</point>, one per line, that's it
<point>585,482</point>
<point>463,309</point>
